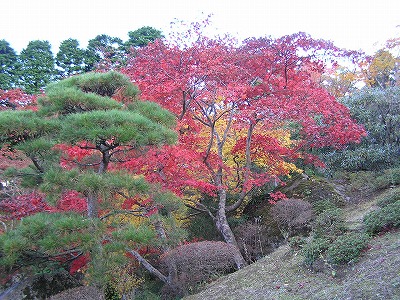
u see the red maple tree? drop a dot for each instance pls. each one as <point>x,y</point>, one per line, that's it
<point>216,88</point>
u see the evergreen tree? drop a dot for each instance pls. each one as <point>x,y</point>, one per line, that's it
<point>70,58</point>
<point>85,128</point>
<point>37,66</point>
<point>8,66</point>
<point>106,49</point>
<point>142,36</point>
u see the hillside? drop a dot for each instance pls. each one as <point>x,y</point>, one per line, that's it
<point>282,275</point>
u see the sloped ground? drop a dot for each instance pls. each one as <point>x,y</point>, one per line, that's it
<point>282,275</point>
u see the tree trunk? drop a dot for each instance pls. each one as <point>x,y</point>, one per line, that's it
<point>92,205</point>
<point>223,227</point>
<point>148,266</point>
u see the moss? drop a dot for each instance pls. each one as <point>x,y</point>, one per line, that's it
<point>313,189</point>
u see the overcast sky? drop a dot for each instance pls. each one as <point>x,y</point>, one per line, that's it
<point>352,24</point>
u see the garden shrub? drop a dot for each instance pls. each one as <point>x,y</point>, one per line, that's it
<point>256,239</point>
<point>323,205</point>
<point>314,249</point>
<point>390,177</point>
<point>389,197</point>
<point>330,223</point>
<point>194,263</point>
<point>383,219</point>
<point>291,215</point>
<point>347,247</point>
<point>297,242</point>
<point>312,189</point>
<point>362,158</point>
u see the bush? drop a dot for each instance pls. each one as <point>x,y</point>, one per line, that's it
<point>256,239</point>
<point>383,219</point>
<point>346,248</point>
<point>323,205</point>
<point>389,197</point>
<point>390,177</point>
<point>366,158</point>
<point>297,242</point>
<point>329,223</point>
<point>291,215</point>
<point>194,263</point>
<point>314,249</point>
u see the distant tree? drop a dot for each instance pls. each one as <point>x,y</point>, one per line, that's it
<point>142,36</point>
<point>37,66</point>
<point>106,49</point>
<point>70,59</point>
<point>8,66</point>
<point>381,69</point>
<point>379,110</point>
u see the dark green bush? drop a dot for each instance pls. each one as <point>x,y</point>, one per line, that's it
<point>297,242</point>
<point>365,157</point>
<point>323,205</point>
<point>383,219</point>
<point>329,223</point>
<point>347,248</point>
<point>314,249</point>
<point>389,177</point>
<point>389,197</point>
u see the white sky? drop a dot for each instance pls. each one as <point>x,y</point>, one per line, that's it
<point>352,24</point>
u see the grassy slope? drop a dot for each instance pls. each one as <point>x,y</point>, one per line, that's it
<point>281,275</point>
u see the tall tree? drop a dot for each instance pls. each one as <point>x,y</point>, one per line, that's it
<point>104,49</point>
<point>37,66</point>
<point>142,36</point>
<point>9,66</point>
<point>70,59</point>
<point>382,69</point>
<point>216,91</point>
<point>93,122</point>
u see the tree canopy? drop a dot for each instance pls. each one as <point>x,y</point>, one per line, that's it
<point>37,66</point>
<point>84,127</point>
<point>9,66</point>
<point>245,115</point>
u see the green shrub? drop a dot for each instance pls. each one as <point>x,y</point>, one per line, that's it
<point>323,205</point>
<point>389,197</point>
<point>365,157</point>
<point>297,242</point>
<point>347,248</point>
<point>329,223</point>
<point>314,249</point>
<point>385,218</point>
<point>390,177</point>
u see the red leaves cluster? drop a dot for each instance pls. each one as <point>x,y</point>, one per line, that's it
<point>274,197</point>
<point>24,205</point>
<point>72,201</point>
<point>79,263</point>
<point>17,99</point>
<point>32,203</point>
<point>265,81</point>
<point>174,167</point>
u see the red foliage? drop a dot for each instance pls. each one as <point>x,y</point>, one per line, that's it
<point>32,203</point>
<point>72,201</point>
<point>24,205</point>
<point>79,263</point>
<point>276,197</point>
<point>17,99</point>
<point>265,82</point>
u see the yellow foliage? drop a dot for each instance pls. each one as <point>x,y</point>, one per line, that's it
<point>125,280</point>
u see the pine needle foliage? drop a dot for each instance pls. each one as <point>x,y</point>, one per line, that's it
<point>99,115</point>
